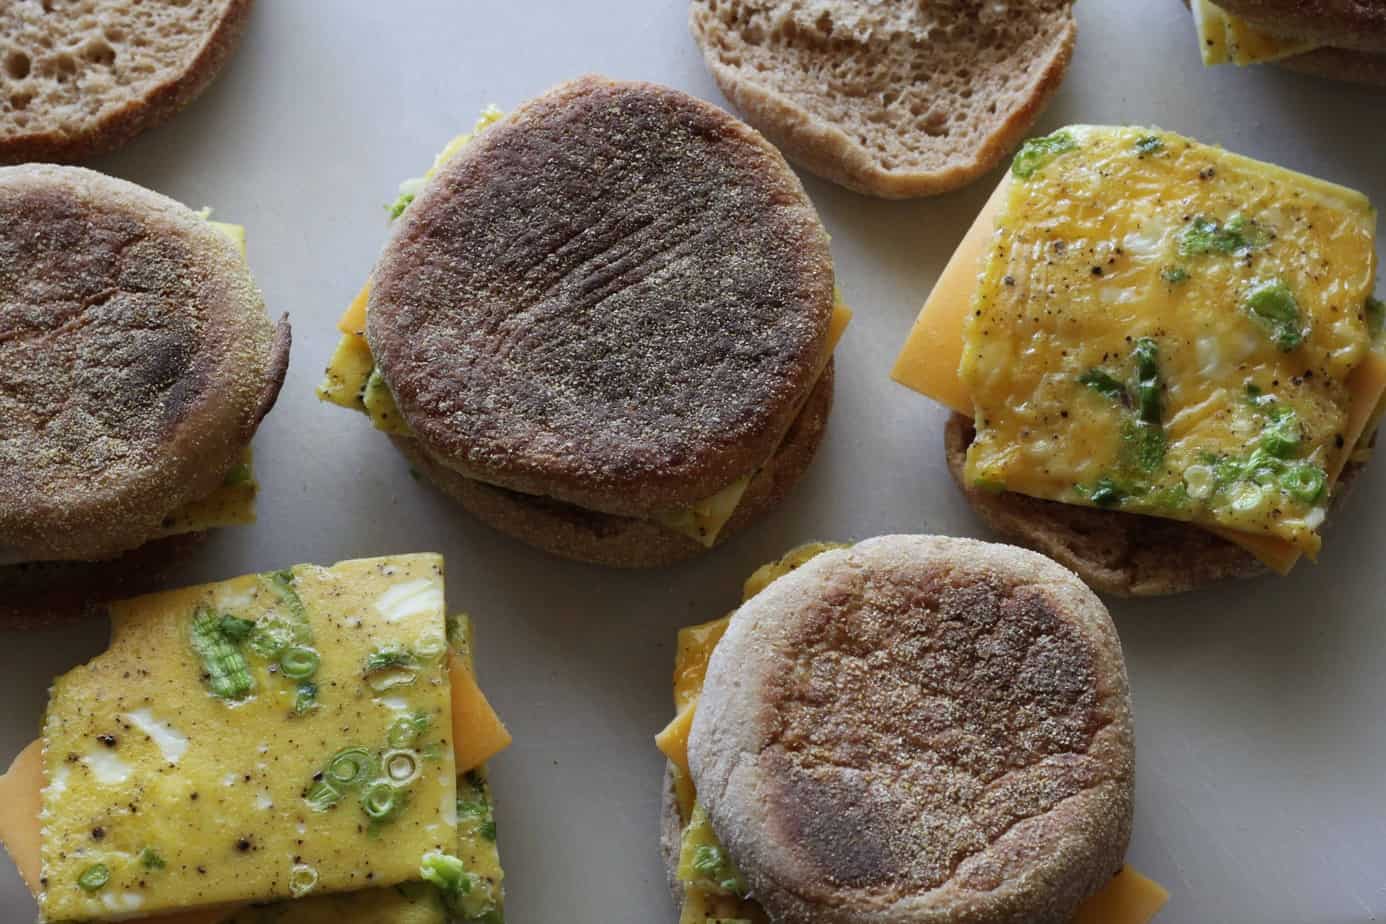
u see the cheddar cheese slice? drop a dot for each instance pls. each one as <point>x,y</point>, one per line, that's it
<point>1178,261</point>
<point>1227,39</point>
<point>260,739</point>
<point>714,891</point>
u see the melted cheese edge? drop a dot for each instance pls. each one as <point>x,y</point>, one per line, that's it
<point>1224,38</point>
<point>930,358</point>
<point>1129,898</point>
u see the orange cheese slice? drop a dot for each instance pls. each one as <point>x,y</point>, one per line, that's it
<point>478,735</point>
<point>1129,898</point>
<point>929,361</point>
<point>477,732</point>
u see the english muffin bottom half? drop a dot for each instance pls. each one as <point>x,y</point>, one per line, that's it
<point>136,362</point>
<point>912,729</point>
<point>604,323</point>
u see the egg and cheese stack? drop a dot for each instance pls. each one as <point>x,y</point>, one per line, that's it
<point>305,745</point>
<point>1345,41</point>
<point>864,740</point>
<point>1163,329</point>
<point>604,324</point>
<point>136,362</point>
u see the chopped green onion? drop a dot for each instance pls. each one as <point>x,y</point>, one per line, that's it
<point>150,859</point>
<point>1106,493</point>
<point>1273,304</point>
<point>390,667</point>
<point>1304,482</point>
<point>1174,275</point>
<point>1206,235</point>
<point>1281,437</point>
<point>1149,144</point>
<point>235,628</point>
<point>1100,381</point>
<point>94,878</point>
<point>1148,379</point>
<point>707,859</point>
<point>278,630</point>
<point>350,767</point>
<point>406,731</point>
<point>1143,445</point>
<point>430,645</point>
<point>400,766</point>
<point>446,872</point>
<point>385,658</point>
<point>381,801</point>
<point>397,207</point>
<point>228,674</point>
<point>302,880</point>
<point>322,795</point>
<point>1037,152</point>
<point>306,698</point>
<point>299,662</point>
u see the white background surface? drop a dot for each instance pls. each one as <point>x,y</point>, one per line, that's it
<point>1261,796</point>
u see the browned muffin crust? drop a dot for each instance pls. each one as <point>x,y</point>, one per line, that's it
<point>618,297</point>
<point>625,542</point>
<point>136,360</point>
<point>37,594</point>
<point>1125,554</point>
<point>920,730</point>
<point>32,128</point>
<point>1354,24</point>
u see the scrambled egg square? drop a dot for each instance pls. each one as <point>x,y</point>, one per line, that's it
<point>269,737</point>
<point>1164,327</point>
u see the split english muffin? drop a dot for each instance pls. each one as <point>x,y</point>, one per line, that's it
<point>913,729</point>
<point>82,77</point>
<point>893,99</point>
<point>136,362</point>
<point>603,323</point>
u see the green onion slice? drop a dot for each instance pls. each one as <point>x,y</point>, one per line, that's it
<point>381,801</point>
<point>302,880</point>
<point>94,878</point>
<point>350,767</point>
<point>401,766</point>
<point>299,662</point>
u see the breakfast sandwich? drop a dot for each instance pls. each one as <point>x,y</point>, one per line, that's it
<point>305,745</point>
<point>1344,41</point>
<point>908,729</point>
<point>892,98</point>
<point>1164,359</point>
<point>136,362</point>
<point>604,324</point>
<point>82,79</point>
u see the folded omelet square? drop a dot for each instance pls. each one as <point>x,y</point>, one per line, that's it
<point>276,744</point>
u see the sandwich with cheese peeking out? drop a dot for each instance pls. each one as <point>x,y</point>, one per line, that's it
<point>1164,359</point>
<point>909,729</point>
<point>136,362</point>
<point>1343,41</point>
<point>603,323</point>
<point>305,745</point>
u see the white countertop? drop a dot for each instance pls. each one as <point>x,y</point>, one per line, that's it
<point>1261,795</point>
